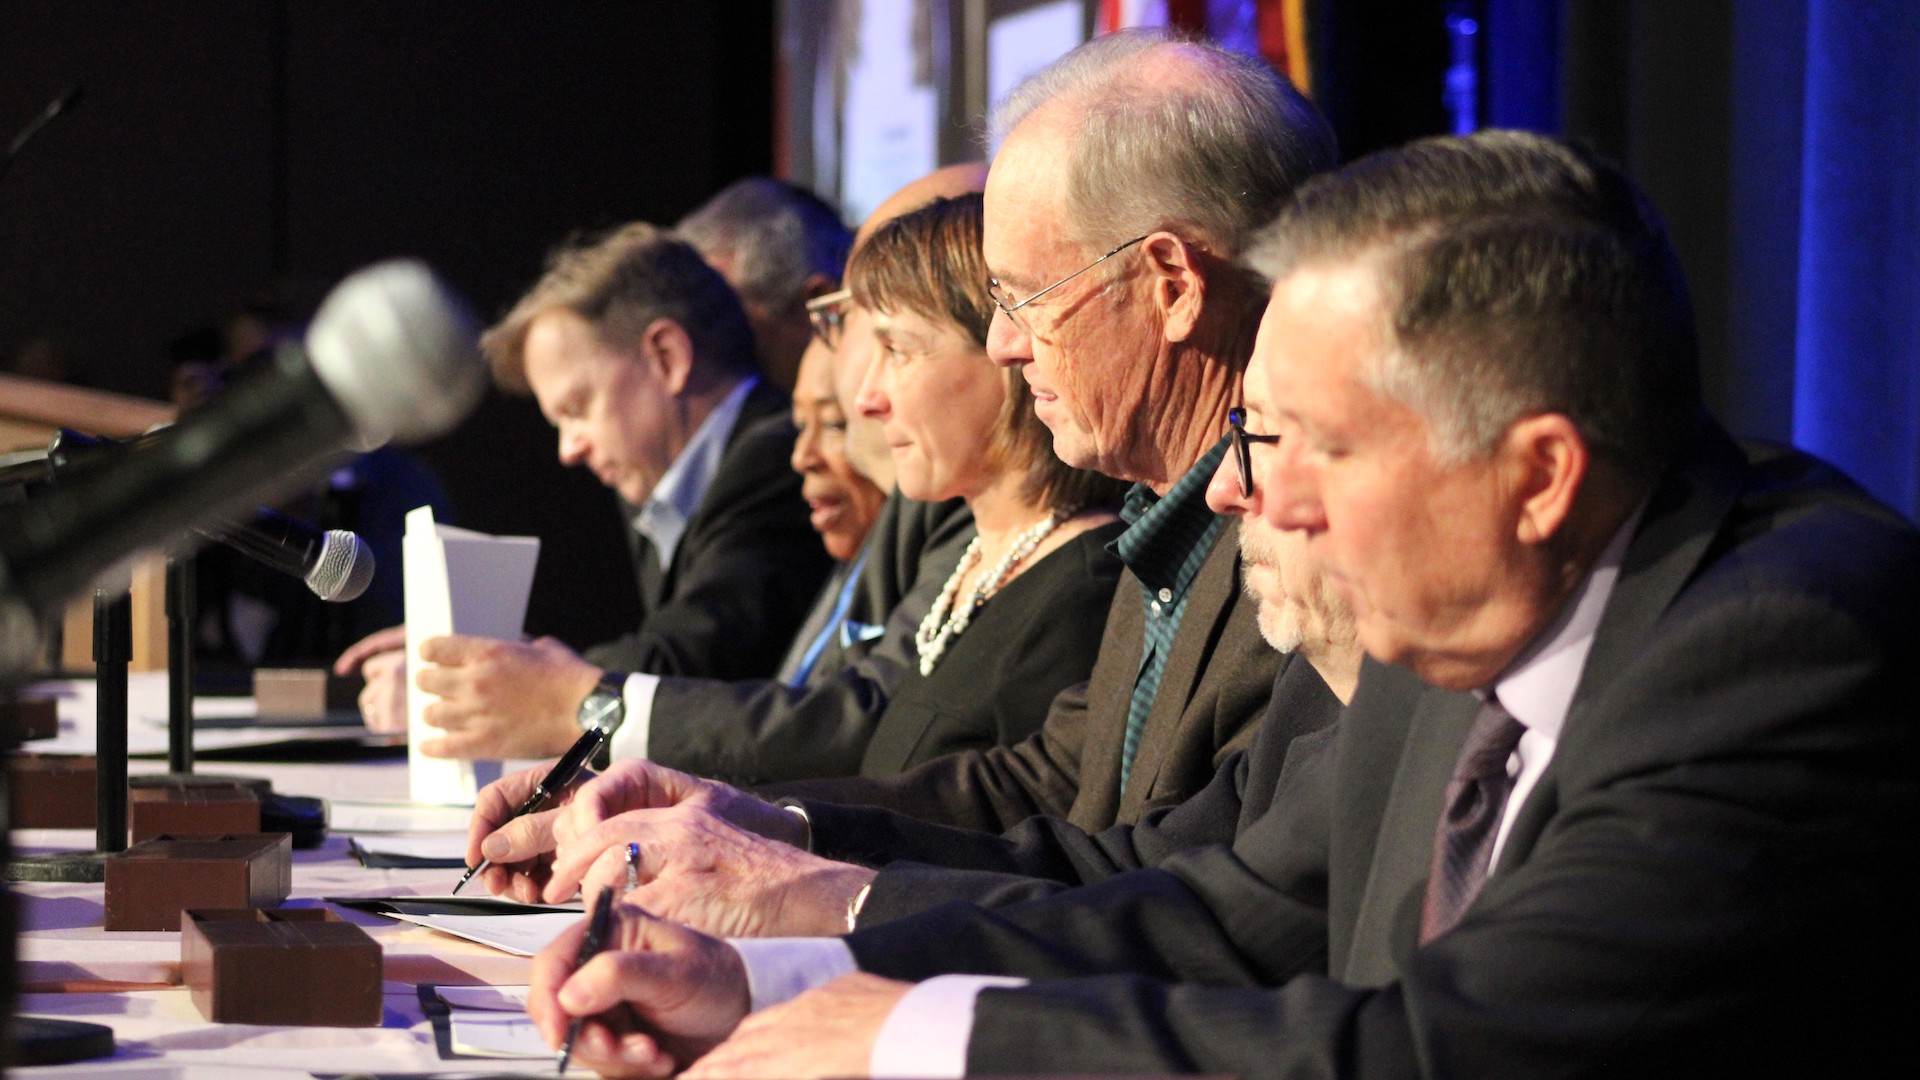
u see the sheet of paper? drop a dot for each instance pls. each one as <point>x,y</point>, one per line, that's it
<point>77,703</point>
<point>353,818</point>
<point>457,581</point>
<point>496,1035</point>
<point>443,846</point>
<point>521,935</point>
<point>489,998</point>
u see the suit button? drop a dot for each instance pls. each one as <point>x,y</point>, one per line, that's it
<point>1166,596</point>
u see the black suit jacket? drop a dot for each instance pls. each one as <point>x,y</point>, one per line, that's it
<point>744,572</point>
<point>1711,878</point>
<point>756,730</point>
<point>1212,691</point>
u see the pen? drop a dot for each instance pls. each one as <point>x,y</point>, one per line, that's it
<point>597,931</point>
<point>564,772</point>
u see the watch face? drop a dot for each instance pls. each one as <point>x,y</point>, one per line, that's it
<point>600,708</point>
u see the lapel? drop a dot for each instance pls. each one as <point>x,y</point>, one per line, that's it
<point>1392,802</point>
<point>1209,601</point>
<point>1109,689</point>
<point>1682,519</point>
<point>762,401</point>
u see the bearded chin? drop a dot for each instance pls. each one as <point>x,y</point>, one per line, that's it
<point>1279,623</point>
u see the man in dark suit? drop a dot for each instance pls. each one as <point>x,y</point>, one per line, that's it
<point>1635,796</point>
<point>639,354</point>
<point>1134,379</point>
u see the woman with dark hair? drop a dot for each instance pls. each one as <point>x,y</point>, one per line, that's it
<point>1021,616</point>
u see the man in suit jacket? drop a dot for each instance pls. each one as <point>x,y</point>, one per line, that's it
<point>1135,383</point>
<point>1668,832</point>
<point>638,352</point>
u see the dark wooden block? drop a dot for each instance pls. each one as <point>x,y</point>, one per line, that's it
<point>52,791</point>
<point>195,809</point>
<point>285,966</point>
<point>28,717</point>
<point>149,883</point>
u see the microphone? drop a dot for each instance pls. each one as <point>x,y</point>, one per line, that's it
<point>337,565</point>
<point>391,354</point>
<point>64,103</point>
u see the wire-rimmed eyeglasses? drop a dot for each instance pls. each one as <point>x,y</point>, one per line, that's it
<point>1240,438</point>
<point>1008,305</point>
<point>827,316</point>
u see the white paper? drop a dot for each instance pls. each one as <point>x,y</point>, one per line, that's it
<point>352,818</point>
<point>496,1035</point>
<point>77,703</point>
<point>490,998</point>
<point>521,935</point>
<point>444,846</point>
<point>457,581</point>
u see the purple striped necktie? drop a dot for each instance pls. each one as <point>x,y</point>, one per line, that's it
<point>1476,797</point>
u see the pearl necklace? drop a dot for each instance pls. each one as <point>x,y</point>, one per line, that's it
<point>949,616</point>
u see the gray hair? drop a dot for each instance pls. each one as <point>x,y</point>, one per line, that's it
<point>1212,158</point>
<point>1519,276</point>
<point>776,234</point>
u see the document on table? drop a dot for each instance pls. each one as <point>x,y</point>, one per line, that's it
<point>520,929</point>
<point>443,852</point>
<point>487,1021</point>
<point>456,582</point>
<point>352,817</point>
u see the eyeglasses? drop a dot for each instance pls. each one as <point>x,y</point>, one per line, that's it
<point>827,315</point>
<point>1240,437</point>
<point>1008,305</point>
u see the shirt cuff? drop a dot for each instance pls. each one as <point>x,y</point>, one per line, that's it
<point>927,1032</point>
<point>781,969</point>
<point>630,741</point>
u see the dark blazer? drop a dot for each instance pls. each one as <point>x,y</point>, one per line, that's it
<point>743,574</point>
<point>1712,877</point>
<point>924,865</point>
<point>1034,638</point>
<point>757,730</point>
<point>1215,684</point>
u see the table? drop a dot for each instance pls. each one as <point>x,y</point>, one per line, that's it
<point>130,981</point>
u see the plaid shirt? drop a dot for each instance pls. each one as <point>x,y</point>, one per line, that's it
<point>1167,539</point>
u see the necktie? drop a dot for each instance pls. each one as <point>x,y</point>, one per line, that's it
<point>1476,797</point>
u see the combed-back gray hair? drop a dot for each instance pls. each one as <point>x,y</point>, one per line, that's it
<point>1212,158</point>
<point>776,235</point>
<point>1520,276</point>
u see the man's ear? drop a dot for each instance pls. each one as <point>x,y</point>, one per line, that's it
<point>816,286</point>
<point>1179,282</point>
<point>668,352</point>
<point>1549,463</point>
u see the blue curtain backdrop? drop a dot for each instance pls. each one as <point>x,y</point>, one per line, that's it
<point>1822,191</point>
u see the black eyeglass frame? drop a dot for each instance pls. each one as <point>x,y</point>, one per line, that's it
<point>994,290</point>
<point>827,316</point>
<point>1239,439</point>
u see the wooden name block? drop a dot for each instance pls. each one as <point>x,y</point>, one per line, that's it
<point>302,692</point>
<point>150,883</point>
<point>283,966</point>
<point>195,809</point>
<point>28,717</point>
<point>52,791</point>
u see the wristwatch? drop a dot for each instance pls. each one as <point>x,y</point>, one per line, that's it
<point>606,706</point>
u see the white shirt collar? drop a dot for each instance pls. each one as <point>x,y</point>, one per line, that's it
<point>1538,689</point>
<point>663,518</point>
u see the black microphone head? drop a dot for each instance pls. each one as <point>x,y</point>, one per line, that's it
<point>398,350</point>
<point>344,568</point>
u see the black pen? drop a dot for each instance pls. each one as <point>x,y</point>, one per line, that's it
<point>597,932</point>
<point>564,772</point>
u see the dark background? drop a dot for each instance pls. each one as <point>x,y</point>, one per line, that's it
<point>228,149</point>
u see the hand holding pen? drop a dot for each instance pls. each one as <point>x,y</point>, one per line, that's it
<point>599,931</point>
<point>557,779</point>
